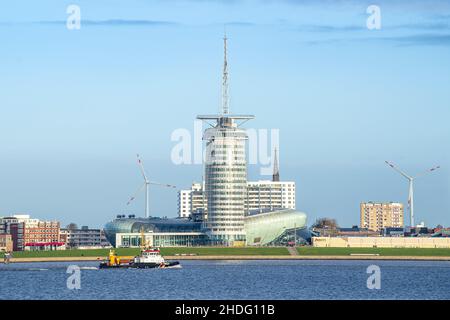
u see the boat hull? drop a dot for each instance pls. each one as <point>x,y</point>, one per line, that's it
<point>133,265</point>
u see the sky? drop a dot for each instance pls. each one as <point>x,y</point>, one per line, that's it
<point>76,106</point>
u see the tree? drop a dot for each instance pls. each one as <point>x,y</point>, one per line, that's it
<point>72,226</point>
<point>325,223</point>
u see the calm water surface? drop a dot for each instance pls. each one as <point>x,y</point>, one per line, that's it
<point>228,279</point>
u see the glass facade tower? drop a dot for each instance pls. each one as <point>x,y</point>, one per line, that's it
<point>225,171</point>
<point>225,181</point>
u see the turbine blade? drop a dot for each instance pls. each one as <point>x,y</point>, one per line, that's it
<point>136,194</point>
<point>398,170</point>
<point>162,184</point>
<point>428,171</point>
<point>141,167</point>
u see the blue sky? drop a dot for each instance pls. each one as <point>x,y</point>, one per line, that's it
<point>76,106</point>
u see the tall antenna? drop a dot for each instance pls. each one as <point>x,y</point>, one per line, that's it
<point>224,118</point>
<point>225,109</point>
<point>276,171</point>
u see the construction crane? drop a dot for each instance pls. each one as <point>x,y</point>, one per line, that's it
<point>146,186</point>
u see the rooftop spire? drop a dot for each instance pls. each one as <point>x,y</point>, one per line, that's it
<point>225,109</point>
<point>276,172</point>
<point>224,118</point>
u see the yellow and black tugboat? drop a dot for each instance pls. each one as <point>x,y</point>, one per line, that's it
<point>115,261</point>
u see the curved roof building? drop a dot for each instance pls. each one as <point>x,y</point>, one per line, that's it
<point>269,228</point>
<point>152,225</point>
<point>276,227</point>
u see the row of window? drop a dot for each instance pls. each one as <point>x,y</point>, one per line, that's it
<point>226,169</point>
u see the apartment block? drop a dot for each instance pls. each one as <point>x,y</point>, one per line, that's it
<point>376,216</point>
<point>191,201</point>
<point>269,195</point>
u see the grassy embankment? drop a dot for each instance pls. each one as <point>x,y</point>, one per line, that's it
<point>263,251</point>
<point>201,251</point>
<point>422,252</point>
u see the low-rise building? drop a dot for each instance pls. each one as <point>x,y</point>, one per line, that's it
<point>381,242</point>
<point>104,242</point>
<point>354,231</point>
<point>6,242</point>
<point>17,233</point>
<point>393,232</point>
<point>441,232</point>
<point>31,234</point>
<point>420,231</point>
<point>12,226</point>
<point>84,238</point>
<point>63,236</point>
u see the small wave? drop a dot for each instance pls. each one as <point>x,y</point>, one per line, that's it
<point>178,266</point>
<point>23,269</point>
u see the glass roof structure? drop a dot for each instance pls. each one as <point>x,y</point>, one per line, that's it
<point>268,228</point>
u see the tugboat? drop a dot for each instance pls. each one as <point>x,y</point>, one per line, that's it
<point>149,258</point>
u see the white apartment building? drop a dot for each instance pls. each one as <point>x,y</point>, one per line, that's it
<point>269,195</point>
<point>263,195</point>
<point>184,203</point>
<point>26,219</point>
<point>191,200</point>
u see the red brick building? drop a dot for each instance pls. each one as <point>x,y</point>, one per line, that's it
<point>32,234</point>
<point>42,235</point>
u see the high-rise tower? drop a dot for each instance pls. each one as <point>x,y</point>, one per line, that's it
<point>225,170</point>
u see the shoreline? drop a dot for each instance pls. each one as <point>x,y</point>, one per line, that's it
<point>244,257</point>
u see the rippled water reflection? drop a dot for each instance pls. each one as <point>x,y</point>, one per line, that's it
<point>291,279</point>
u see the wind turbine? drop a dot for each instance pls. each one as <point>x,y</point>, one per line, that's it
<point>146,186</point>
<point>411,187</point>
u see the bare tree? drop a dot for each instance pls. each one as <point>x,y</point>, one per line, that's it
<point>72,226</point>
<point>325,223</point>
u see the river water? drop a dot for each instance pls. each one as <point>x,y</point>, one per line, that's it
<point>227,279</point>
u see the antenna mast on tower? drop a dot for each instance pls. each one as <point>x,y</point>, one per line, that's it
<point>224,118</point>
<point>225,107</point>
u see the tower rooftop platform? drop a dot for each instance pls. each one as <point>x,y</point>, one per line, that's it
<point>231,116</point>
